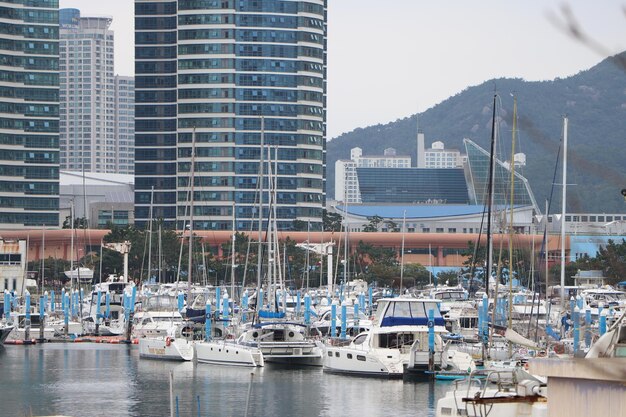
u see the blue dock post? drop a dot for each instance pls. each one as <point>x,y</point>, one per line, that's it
<point>431,340</point>
<point>66,315</point>
<point>480,319</point>
<point>27,321</point>
<point>603,323</point>
<point>107,305</point>
<point>356,318</point>
<point>333,319</point>
<point>218,299</point>
<point>42,307</point>
<point>298,300</point>
<point>485,329</point>
<point>180,301</point>
<point>307,309</point>
<point>344,323</point>
<point>576,319</point>
<point>587,327</point>
<point>98,309</point>
<point>370,299</point>
<point>572,305</point>
<point>7,305</point>
<point>244,307</point>
<point>225,306</point>
<point>259,301</point>
<point>208,322</point>
<point>27,304</point>
<point>133,298</point>
<point>52,302</point>
<point>362,301</point>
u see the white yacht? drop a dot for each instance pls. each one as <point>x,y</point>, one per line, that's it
<point>19,331</point>
<point>228,352</point>
<point>172,346</point>
<point>158,317</point>
<point>397,344</point>
<point>283,342</point>
<point>498,393</point>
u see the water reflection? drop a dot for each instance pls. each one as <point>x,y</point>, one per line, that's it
<point>96,380</point>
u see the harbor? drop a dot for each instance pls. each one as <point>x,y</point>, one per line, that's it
<point>93,380</point>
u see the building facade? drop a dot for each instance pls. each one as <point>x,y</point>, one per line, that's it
<point>440,157</point>
<point>243,73</point>
<point>97,107</point>
<point>29,114</point>
<point>346,179</point>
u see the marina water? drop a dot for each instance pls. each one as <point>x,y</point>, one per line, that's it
<point>83,380</point>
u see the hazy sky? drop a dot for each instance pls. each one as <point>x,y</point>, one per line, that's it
<point>389,59</point>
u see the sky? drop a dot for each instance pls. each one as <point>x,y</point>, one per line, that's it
<point>390,59</point>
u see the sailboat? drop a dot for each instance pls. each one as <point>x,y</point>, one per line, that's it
<point>162,332</point>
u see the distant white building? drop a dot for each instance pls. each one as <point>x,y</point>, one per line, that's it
<point>12,265</point>
<point>346,181</point>
<point>440,157</point>
<point>101,198</point>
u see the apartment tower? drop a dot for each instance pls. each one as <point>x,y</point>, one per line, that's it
<point>237,73</point>
<point>29,114</point>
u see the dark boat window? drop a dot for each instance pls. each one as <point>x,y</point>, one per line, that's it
<point>360,357</point>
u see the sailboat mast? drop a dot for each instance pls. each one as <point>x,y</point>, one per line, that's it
<point>490,198</point>
<point>232,262</point>
<point>511,208</point>
<point>563,208</point>
<point>191,180</point>
<point>402,252</point>
<point>150,236</point>
<point>259,261</point>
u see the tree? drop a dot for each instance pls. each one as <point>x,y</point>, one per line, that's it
<point>137,258</point>
<point>612,258</point>
<point>417,274</point>
<point>448,277</point>
<point>374,224</point>
<point>332,221</point>
<point>299,225</point>
<point>79,223</point>
<point>392,226</point>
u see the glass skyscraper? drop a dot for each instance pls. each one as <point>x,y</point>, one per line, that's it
<point>29,114</point>
<point>235,71</point>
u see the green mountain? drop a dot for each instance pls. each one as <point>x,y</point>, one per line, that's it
<point>593,100</point>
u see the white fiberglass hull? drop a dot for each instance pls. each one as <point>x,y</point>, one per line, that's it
<point>35,333</point>
<point>228,353</point>
<point>292,353</point>
<point>166,349</point>
<point>384,363</point>
<point>4,333</point>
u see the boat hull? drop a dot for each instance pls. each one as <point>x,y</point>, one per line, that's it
<point>340,360</point>
<point>166,349</point>
<point>227,353</point>
<point>4,333</point>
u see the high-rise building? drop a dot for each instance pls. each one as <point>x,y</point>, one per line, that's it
<point>94,102</point>
<point>241,72</point>
<point>124,124</point>
<point>29,114</point>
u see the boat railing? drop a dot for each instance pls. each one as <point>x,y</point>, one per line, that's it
<point>478,381</point>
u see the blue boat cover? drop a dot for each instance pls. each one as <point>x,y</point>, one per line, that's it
<point>271,314</point>
<point>410,321</point>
